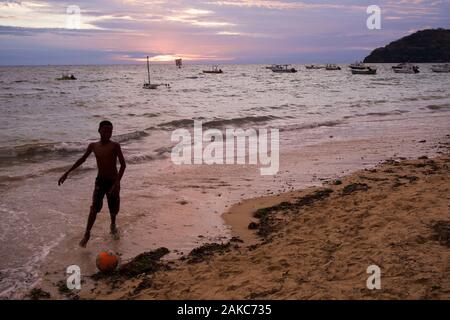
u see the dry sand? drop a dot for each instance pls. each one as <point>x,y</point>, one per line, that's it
<point>317,244</point>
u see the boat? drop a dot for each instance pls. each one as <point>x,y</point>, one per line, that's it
<point>214,69</point>
<point>178,62</point>
<point>406,68</point>
<point>314,67</point>
<point>66,76</point>
<point>332,67</point>
<point>366,70</point>
<point>149,85</point>
<point>441,68</point>
<point>283,68</point>
<point>399,66</point>
<point>358,65</point>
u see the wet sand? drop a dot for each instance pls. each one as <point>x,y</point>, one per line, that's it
<point>316,243</point>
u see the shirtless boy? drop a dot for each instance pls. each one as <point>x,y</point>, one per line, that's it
<point>108,179</point>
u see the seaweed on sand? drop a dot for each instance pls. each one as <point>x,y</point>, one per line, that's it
<point>353,187</point>
<point>37,294</point>
<point>147,262</point>
<point>268,221</point>
<point>206,251</point>
<point>442,232</point>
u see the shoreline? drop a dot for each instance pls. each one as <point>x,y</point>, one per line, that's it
<point>234,270</point>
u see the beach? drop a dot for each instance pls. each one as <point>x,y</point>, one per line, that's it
<point>330,125</point>
<point>314,243</point>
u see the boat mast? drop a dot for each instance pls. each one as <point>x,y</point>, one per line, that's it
<point>148,71</point>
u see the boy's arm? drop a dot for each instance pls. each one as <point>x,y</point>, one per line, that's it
<point>77,164</point>
<point>116,186</point>
<point>122,163</point>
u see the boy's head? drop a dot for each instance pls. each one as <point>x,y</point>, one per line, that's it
<point>105,129</point>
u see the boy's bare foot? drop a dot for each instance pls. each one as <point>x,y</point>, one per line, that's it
<point>114,232</point>
<point>85,240</point>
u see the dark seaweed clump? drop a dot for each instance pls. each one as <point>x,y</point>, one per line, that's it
<point>353,187</point>
<point>147,262</point>
<point>442,232</point>
<point>268,221</point>
<point>37,294</point>
<point>144,263</point>
<point>206,251</point>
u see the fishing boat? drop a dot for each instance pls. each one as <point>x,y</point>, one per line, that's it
<point>366,70</point>
<point>332,67</point>
<point>214,70</point>
<point>399,66</point>
<point>149,85</point>
<point>178,62</point>
<point>358,65</point>
<point>441,68</point>
<point>283,68</point>
<point>314,67</point>
<point>406,68</point>
<point>65,76</point>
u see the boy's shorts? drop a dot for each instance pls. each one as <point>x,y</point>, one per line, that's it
<point>102,187</point>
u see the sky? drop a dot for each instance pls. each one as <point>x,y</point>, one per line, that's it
<point>221,31</point>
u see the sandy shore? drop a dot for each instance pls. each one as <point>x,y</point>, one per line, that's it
<point>314,243</point>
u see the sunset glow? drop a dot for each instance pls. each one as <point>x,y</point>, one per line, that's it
<point>254,31</point>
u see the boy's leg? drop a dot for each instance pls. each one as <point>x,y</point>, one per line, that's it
<point>114,206</point>
<point>97,202</point>
<point>90,223</point>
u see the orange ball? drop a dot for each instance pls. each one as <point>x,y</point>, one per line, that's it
<point>107,261</point>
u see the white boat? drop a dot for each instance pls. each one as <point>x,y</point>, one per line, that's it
<point>332,67</point>
<point>366,70</point>
<point>406,68</point>
<point>441,68</point>
<point>314,67</point>
<point>149,85</point>
<point>358,65</point>
<point>283,68</point>
<point>399,66</point>
<point>214,69</point>
<point>66,76</point>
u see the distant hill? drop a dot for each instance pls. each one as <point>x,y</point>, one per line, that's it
<point>431,45</point>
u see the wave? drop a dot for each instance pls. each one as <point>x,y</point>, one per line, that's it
<point>439,107</point>
<point>37,149</point>
<point>148,115</point>
<point>331,123</point>
<point>135,135</point>
<point>8,178</point>
<point>47,150</point>
<point>144,157</point>
<point>170,125</point>
<point>424,98</point>
<point>382,114</point>
<point>238,121</point>
<point>216,123</point>
<point>98,80</point>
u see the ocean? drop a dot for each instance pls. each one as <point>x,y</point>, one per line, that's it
<point>46,125</point>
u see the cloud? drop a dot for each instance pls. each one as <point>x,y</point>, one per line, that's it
<point>280,5</point>
<point>262,30</point>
